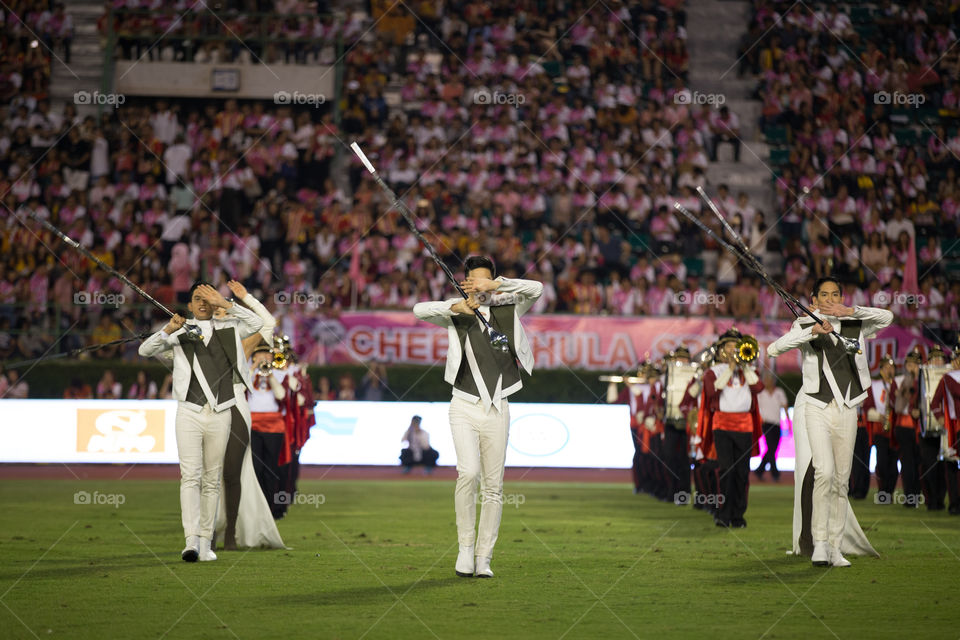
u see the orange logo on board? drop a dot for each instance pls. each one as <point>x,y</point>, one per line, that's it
<point>120,431</point>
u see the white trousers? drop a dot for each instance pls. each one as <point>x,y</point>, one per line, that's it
<point>480,440</point>
<point>832,433</point>
<point>202,443</point>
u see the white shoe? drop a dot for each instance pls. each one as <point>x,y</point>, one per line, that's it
<point>483,567</point>
<point>837,560</point>
<point>191,552</point>
<point>465,564</point>
<point>206,553</point>
<point>821,554</point>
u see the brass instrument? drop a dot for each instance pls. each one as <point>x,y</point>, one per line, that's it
<point>264,368</point>
<point>747,350</point>
<point>705,358</point>
<point>626,379</point>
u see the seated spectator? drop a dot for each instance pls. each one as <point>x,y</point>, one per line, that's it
<point>418,450</point>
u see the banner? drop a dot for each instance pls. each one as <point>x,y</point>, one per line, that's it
<point>596,343</point>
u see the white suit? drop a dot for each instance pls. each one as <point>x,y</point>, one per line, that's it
<point>480,426</point>
<point>202,432</point>
<point>828,429</point>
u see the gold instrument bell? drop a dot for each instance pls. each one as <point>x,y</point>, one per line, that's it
<point>281,347</point>
<point>747,350</point>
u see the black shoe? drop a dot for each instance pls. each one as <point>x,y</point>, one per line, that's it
<point>776,475</point>
<point>739,523</point>
<point>759,473</point>
<point>721,522</point>
<point>190,555</point>
<point>464,575</point>
<point>954,510</point>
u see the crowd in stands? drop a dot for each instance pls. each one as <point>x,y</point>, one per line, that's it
<point>552,137</point>
<point>31,31</point>
<point>256,32</point>
<point>865,106</point>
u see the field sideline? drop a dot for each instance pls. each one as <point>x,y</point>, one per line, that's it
<point>374,559</point>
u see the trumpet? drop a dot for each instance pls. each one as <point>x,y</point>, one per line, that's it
<point>265,368</point>
<point>747,350</point>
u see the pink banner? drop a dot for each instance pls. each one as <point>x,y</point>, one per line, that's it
<point>598,343</point>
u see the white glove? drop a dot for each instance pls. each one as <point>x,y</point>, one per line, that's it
<point>750,375</point>
<point>650,423</point>
<point>695,389</point>
<point>724,377</point>
<point>874,416</point>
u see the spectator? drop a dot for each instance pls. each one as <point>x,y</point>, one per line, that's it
<point>418,449</point>
<point>108,388</point>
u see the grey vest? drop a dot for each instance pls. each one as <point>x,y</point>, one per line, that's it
<point>218,363</point>
<point>492,362</point>
<point>841,363</point>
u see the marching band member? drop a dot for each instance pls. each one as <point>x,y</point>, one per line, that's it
<point>834,383</point>
<point>297,417</point>
<point>944,407</point>
<point>877,414</point>
<point>203,384</point>
<point>933,478</point>
<point>629,396</point>
<point>268,399</point>
<point>732,421</point>
<point>652,469</point>
<point>482,378</point>
<point>676,442</point>
<point>906,427</point>
<point>244,518</point>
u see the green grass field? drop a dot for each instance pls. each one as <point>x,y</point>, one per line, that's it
<point>375,560</point>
